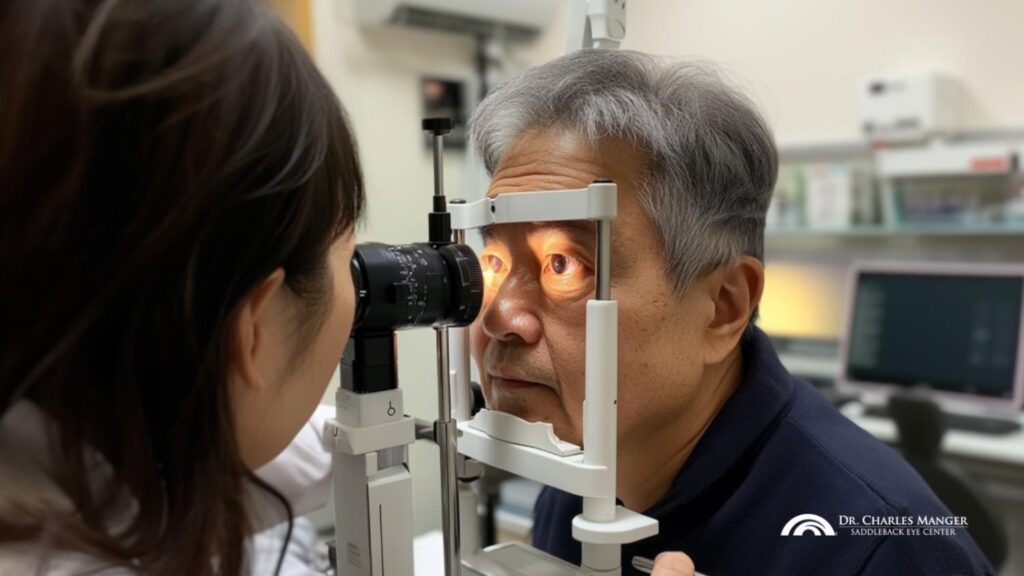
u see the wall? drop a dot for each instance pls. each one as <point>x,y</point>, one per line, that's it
<point>297,14</point>
<point>804,60</point>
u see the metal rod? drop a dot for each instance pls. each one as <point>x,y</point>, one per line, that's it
<point>604,259</point>
<point>438,168</point>
<point>446,442</point>
<point>444,399</point>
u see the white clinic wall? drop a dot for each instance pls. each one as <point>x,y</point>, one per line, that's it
<point>377,74</point>
<point>804,60</point>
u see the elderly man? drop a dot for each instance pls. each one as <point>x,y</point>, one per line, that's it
<point>716,440</point>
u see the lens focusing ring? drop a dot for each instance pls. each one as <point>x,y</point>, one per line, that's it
<point>414,285</point>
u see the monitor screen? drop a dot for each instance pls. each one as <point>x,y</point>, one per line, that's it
<point>954,333</point>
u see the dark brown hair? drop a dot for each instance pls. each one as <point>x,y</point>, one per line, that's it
<point>158,159</point>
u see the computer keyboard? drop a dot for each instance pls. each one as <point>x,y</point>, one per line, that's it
<point>978,424</point>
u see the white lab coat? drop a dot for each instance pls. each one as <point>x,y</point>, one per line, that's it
<point>301,473</point>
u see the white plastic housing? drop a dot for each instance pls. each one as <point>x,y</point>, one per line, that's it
<point>595,202</point>
<point>898,109</point>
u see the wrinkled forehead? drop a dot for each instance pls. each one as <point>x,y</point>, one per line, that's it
<point>554,159</point>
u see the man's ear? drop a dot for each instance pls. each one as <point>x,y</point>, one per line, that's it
<point>252,331</point>
<point>735,291</point>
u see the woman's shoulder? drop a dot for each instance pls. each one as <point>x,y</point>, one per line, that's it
<point>25,464</point>
<point>28,489</point>
<point>18,559</point>
<point>32,559</point>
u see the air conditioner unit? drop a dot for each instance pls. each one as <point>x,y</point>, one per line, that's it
<point>512,19</point>
<point>909,109</point>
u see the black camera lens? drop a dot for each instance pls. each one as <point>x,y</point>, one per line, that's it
<point>414,285</point>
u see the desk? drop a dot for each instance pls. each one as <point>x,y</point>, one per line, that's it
<point>996,462</point>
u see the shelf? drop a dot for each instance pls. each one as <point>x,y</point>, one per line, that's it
<point>860,148</point>
<point>936,230</point>
<point>824,151</point>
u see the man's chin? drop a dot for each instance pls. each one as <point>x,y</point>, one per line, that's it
<point>538,411</point>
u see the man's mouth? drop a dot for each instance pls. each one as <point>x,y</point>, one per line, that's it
<point>509,380</point>
<point>513,384</point>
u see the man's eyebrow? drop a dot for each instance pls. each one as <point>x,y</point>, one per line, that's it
<point>577,228</point>
<point>487,232</point>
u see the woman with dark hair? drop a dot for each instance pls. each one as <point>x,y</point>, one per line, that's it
<point>178,192</point>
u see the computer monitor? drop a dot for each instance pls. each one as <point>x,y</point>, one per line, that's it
<point>956,330</point>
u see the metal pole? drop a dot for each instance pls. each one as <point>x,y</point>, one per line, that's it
<point>438,170</point>
<point>446,442</point>
<point>444,428</point>
<point>604,259</point>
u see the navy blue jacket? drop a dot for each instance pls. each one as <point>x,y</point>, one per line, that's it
<point>777,450</point>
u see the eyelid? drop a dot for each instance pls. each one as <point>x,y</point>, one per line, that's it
<point>493,251</point>
<point>572,259</point>
<point>571,250</point>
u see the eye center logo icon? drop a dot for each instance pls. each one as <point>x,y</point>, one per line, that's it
<point>808,524</point>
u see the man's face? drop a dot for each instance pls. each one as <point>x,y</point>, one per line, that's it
<point>529,340</point>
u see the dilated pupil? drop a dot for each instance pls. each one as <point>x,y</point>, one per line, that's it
<point>559,263</point>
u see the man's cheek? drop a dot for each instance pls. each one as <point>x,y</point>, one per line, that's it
<point>477,344</point>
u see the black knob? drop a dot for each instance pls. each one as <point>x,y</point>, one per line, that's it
<point>438,125</point>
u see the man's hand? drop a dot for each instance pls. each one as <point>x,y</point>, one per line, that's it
<point>673,564</point>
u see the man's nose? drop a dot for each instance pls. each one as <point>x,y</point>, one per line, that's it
<point>511,315</point>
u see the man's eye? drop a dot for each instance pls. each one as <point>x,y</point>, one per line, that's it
<point>561,264</point>
<point>493,263</point>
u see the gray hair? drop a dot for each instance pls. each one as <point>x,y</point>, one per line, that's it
<point>712,161</point>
